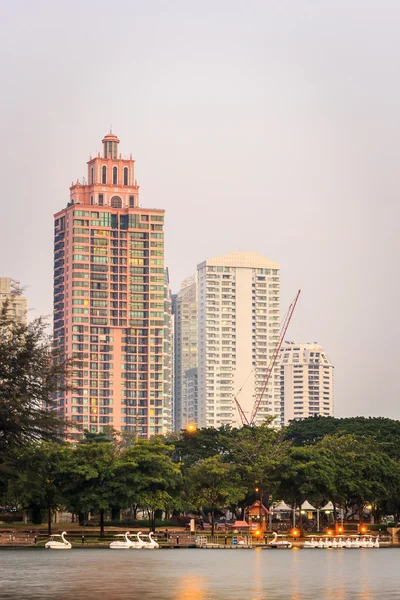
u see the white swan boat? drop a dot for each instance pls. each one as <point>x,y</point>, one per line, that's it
<point>58,542</point>
<point>136,541</point>
<point>147,541</point>
<point>310,543</point>
<point>123,543</point>
<point>279,543</point>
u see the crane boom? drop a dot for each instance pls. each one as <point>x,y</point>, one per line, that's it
<point>275,355</point>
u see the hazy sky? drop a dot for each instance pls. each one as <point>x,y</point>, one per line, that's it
<point>267,126</point>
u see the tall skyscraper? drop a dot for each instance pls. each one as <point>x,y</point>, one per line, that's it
<point>238,329</point>
<point>185,346</point>
<point>168,357</point>
<point>10,291</point>
<point>306,382</point>
<point>109,299</point>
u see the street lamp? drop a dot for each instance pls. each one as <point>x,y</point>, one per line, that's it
<point>191,428</point>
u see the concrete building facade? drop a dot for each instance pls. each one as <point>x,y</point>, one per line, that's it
<point>306,382</point>
<point>10,291</point>
<point>238,329</point>
<point>185,346</point>
<point>168,357</point>
<point>109,299</point>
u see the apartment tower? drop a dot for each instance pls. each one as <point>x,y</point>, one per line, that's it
<point>109,299</point>
<point>10,291</point>
<point>238,329</point>
<point>185,350</point>
<point>306,382</point>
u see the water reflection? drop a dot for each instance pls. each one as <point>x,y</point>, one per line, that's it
<point>199,575</point>
<point>191,588</point>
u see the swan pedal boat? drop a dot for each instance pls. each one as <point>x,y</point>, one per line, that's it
<point>122,544</point>
<point>147,541</point>
<point>276,543</point>
<point>58,542</point>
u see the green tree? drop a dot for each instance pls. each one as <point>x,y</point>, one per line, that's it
<point>192,446</point>
<point>95,479</point>
<point>155,481</point>
<point>214,483</point>
<point>31,373</point>
<point>38,481</point>
<point>257,452</point>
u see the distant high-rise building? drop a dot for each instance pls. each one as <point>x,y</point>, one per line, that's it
<point>10,291</point>
<point>238,329</point>
<point>306,382</point>
<point>192,396</point>
<point>168,357</point>
<point>185,346</point>
<point>109,299</point>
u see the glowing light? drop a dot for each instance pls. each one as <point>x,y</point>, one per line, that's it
<point>257,533</point>
<point>295,533</point>
<point>191,427</point>
<point>340,529</point>
<point>329,532</point>
<point>363,529</point>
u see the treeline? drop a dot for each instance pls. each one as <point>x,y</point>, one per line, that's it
<point>350,462</point>
<point>356,464</point>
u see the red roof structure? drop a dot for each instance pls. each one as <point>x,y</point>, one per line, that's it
<point>240,524</point>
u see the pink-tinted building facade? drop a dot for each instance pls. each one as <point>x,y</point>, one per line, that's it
<point>109,299</point>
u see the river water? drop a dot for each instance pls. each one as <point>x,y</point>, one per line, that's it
<point>365,574</point>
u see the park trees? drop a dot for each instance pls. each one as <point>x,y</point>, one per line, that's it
<point>257,453</point>
<point>214,483</point>
<point>31,372</point>
<point>37,483</point>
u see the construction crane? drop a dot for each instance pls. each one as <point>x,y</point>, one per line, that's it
<point>241,412</point>
<point>285,325</point>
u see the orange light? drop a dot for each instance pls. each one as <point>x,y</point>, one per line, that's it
<point>191,427</point>
<point>363,529</point>
<point>295,532</point>
<point>340,529</point>
<point>256,490</point>
<point>329,532</point>
<point>257,533</point>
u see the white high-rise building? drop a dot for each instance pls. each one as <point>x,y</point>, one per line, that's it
<point>168,357</point>
<point>306,382</point>
<point>184,309</point>
<point>238,329</point>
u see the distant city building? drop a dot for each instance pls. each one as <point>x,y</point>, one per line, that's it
<point>238,329</point>
<point>109,299</point>
<point>168,357</point>
<point>192,396</point>
<point>306,382</point>
<point>10,291</point>
<point>185,346</point>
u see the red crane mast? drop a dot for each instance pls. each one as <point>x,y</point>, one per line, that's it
<point>284,328</point>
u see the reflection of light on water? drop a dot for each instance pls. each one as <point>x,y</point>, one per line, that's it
<point>191,588</point>
<point>257,582</point>
<point>294,576</point>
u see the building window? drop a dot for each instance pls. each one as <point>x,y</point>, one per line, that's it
<point>115,175</point>
<point>126,176</point>
<point>104,174</point>
<point>131,201</point>
<point>116,202</point>
<point>91,200</point>
<point>101,200</point>
<point>92,175</point>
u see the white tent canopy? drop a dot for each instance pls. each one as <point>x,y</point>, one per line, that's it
<point>307,506</point>
<point>328,506</point>
<point>281,507</point>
